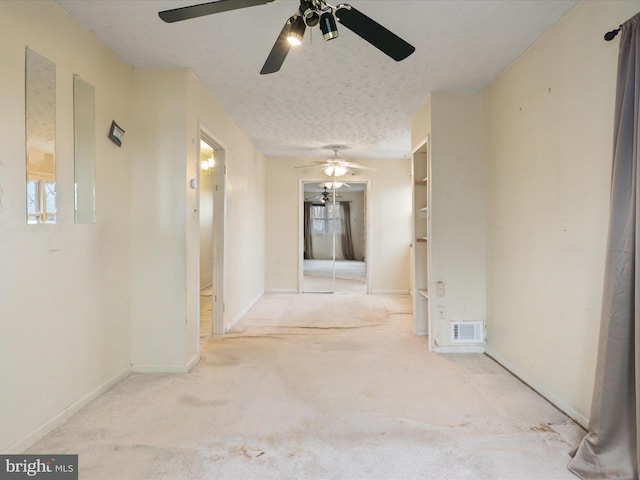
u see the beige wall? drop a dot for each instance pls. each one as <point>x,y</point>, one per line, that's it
<point>421,124</point>
<point>244,250</point>
<point>457,210</point>
<point>457,237</point>
<point>548,135</point>
<point>159,225</point>
<point>83,303</point>
<point>389,218</point>
<point>171,107</point>
<point>65,291</point>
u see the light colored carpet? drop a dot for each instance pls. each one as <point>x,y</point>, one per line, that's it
<point>321,387</point>
<point>206,311</point>
<point>206,314</point>
<point>344,269</point>
<point>315,312</point>
<point>350,276</point>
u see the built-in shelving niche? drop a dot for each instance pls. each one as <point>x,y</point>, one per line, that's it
<point>421,247</point>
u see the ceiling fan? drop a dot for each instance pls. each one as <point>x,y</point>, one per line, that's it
<point>309,14</point>
<point>336,167</point>
<point>325,197</point>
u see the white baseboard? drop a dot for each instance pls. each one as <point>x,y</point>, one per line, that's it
<point>550,397</point>
<point>193,362</point>
<point>242,313</point>
<point>389,292</point>
<point>459,349</point>
<point>60,418</point>
<point>280,290</point>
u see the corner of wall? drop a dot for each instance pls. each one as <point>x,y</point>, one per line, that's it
<point>457,211</point>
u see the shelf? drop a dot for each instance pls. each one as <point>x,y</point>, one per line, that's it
<point>421,254</point>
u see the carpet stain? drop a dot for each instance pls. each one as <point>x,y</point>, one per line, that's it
<point>248,452</point>
<point>543,427</point>
<point>295,452</point>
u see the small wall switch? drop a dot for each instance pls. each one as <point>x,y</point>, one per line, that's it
<point>442,312</point>
<point>441,290</point>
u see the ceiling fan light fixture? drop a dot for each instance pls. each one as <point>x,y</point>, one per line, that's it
<point>207,165</point>
<point>328,26</point>
<point>308,11</point>
<point>297,32</point>
<point>335,170</point>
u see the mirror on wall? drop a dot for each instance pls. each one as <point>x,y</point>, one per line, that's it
<point>40,113</point>
<point>334,237</point>
<point>84,151</point>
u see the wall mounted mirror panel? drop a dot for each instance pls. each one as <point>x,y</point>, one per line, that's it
<point>84,128</point>
<point>40,123</point>
<point>334,237</point>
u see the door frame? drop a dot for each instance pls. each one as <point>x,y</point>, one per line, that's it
<point>219,228</point>
<point>367,229</point>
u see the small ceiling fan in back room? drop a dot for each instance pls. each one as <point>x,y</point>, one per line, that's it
<point>309,14</point>
<point>325,197</point>
<point>336,167</point>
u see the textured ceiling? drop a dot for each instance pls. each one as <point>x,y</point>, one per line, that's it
<point>343,91</point>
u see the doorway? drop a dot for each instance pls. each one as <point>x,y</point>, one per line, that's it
<point>334,237</point>
<point>211,217</point>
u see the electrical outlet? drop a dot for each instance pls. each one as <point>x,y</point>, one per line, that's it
<point>442,312</point>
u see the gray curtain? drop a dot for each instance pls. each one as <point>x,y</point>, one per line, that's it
<point>610,449</point>
<point>346,238</point>
<point>308,244</point>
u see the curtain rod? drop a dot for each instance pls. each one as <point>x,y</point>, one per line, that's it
<point>612,34</point>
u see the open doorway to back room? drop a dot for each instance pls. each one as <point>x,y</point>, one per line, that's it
<point>334,236</point>
<point>211,191</point>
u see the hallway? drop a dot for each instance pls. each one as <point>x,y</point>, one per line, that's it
<point>321,386</point>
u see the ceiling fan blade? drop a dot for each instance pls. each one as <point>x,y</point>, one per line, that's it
<point>316,164</point>
<point>194,11</point>
<point>305,166</point>
<point>374,33</point>
<point>356,166</point>
<point>279,51</point>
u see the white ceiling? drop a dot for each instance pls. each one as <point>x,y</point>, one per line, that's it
<point>344,91</point>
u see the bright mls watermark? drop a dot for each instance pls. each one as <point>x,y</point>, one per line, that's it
<point>50,467</point>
